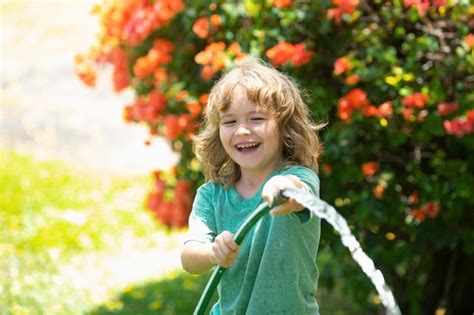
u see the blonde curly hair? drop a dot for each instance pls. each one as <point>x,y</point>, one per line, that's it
<point>271,90</point>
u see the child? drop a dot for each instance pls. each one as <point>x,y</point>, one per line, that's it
<point>257,140</point>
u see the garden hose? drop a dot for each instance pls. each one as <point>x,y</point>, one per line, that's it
<point>239,236</point>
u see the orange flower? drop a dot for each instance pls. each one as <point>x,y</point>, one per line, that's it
<point>301,56</point>
<point>326,168</point>
<point>341,65</point>
<point>281,53</point>
<point>281,4</point>
<point>342,7</point>
<point>215,20</point>
<point>378,191</point>
<point>194,108</point>
<point>120,76</point>
<point>212,58</point>
<point>85,70</point>
<point>469,40</point>
<point>370,168</point>
<point>181,95</point>
<point>416,100</point>
<point>201,27</point>
<point>418,214</point>
<point>159,55</point>
<point>352,79</point>
<point>203,98</point>
<point>160,76</point>
<point>235,50</point>
<point>370,111</point>
<point>284,53</point>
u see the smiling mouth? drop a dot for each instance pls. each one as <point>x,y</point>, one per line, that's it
<point>248,147</point>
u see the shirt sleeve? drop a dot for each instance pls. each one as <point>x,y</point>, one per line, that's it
<point>311,184</point>
<point>202,226</point>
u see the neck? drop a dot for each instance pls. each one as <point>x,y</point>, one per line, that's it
<point>251,179</point>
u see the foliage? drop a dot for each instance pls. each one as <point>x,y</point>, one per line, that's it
<point>393,78</point>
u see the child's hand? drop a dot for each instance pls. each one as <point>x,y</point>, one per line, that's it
<point>273,188</point>
<point>224,250</point>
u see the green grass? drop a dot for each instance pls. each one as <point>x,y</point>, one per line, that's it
<point>52,215</point>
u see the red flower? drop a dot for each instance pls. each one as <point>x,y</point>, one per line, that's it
<point>454,127</point>
<point>407,113</point>
<point>157,101</point>
<point>460,126</point>
<point>421,5</point>
<point>439,3</point>
<point>416,100</point>
<point>418,214</point>
<point>341,65</point>
<point>386,109</point>
<point>445,109</point>
<point>370,168</point>
<point>431,209</point>
<point>353,100</point>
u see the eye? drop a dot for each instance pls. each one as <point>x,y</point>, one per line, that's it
<point>228,122</point>
<point>257,118</point>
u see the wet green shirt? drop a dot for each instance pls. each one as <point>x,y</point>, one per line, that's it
<point>275,272</point>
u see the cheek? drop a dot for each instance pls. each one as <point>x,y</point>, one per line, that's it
<point>224,137</point>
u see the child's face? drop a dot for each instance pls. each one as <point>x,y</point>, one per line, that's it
<point>250,135</point>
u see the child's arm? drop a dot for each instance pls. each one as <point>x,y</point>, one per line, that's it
<point>274,186</point>
<point>198,258</point>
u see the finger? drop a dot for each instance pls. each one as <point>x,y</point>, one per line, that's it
<point>279,210</point>
<point>230,242</point>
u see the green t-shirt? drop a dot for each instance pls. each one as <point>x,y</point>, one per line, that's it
<point>275,272</point>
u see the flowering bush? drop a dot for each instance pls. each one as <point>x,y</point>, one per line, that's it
<point>393,78</point>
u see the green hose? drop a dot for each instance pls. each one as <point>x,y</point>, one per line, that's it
<point>239,236</point>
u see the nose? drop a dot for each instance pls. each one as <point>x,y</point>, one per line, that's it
<point>242,130</point>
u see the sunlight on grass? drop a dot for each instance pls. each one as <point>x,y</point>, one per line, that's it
<point>60,226</point>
